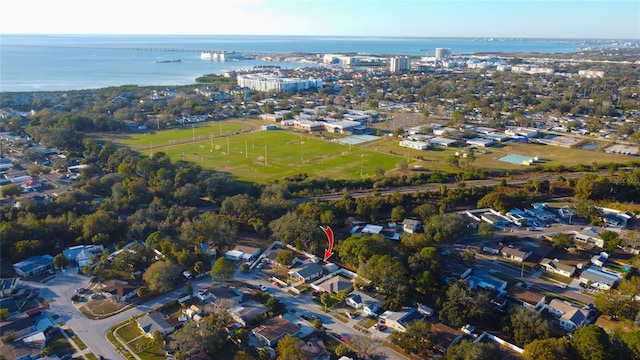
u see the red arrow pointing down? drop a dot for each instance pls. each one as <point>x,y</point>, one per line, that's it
<point>328,252</point>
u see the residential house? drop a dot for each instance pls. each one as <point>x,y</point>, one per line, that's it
<point>315,350</point>
<point>359,300</point>
<point>335,284</point>
<point>83,254</point>
<point>153,322</point>
<point>34,265</point>
<point>399,320</point>
<point>307,272</point>
<point>598,279</point>
<point>226,292</point>
<point>518,255</point>
<point>444,336</point>
<point>10,304</point>
<point>556,267</point>
<point>249,312</point>
<point>121,290</point>
<point>526,297</point>
<point>8,285</point>
<point>275,329</point>
<point>411,226</point>
<point>22,324</point>
<point>249,253</point>
<point>570,316</point>
<point>23,349</point>
<point>589,236</point>
<point>600,260</point>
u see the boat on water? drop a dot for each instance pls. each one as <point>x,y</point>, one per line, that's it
<point>168,61</point>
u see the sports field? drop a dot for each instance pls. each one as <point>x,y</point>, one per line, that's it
<point>262,156</point>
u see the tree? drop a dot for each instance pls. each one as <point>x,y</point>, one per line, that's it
<point>416,339</point>
<point>4,314</point>
<point>388,274</point>
<point>526,325</point>
<point>591,342</point>
<point>222,269</point>
<point>324,299</point>
<point>60,261</point>
<point>548,349</point>
<point>464,305</point>
<point>486,231</point>
<point>317,324</point>
<point>467,350</point>
<point>9,336</point>
<point>611,240</point>
<point>10,190</point>
<point>284,258</point>
<point>632,340</point>
<point>160,276</point>
<point>365,346</point>
<point>397,214</point>
<point>289,348</point>
<point>561,240</point>
<point>208,335</point>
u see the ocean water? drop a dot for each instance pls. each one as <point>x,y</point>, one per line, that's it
<point>76,62</point>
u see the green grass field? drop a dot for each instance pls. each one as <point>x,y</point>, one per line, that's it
<point>187,132</point>
<point>234,146</point>
<point>270,155</point>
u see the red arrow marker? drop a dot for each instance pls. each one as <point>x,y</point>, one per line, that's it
<point>327,231</point>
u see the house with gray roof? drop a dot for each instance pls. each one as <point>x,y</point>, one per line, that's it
<point>598,279</point>
<point>335,284</point>
<point>153,322</point>
<point>34,265</point>
<point>556,267</point>
<point>359,300</point>
<point>275,329</point>
<point>518,255</point>
<point>307,272</point>
<point>570,316</point>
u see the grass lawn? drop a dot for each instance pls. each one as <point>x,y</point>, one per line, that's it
<point>101,307</point>
<point>146,351</point>
<point>188,132</point>
<point>129,332</point>
<point>555,278</point>
<point>59,344</point>
<point>79,343</point>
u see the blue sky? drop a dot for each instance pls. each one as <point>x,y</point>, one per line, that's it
<point>476,18</point>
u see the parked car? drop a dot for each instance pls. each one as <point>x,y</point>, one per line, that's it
<point>382,327</point>
<point>262,287</point>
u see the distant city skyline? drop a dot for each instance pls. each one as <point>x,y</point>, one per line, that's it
<point>569,19</point>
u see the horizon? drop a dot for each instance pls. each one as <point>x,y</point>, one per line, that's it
<point>530,19</point>
<point>326,36</point>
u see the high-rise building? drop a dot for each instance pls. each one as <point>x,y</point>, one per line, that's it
<point>443,54</point>
<point>400,63</point>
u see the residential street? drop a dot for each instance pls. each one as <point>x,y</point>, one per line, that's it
<point>59,290</point>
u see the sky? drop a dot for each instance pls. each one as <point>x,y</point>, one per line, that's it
<point>614,19</point>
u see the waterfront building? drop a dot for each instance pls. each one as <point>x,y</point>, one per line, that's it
<point>400,63</point>
<point>443,54</point>
<point>269,82</point>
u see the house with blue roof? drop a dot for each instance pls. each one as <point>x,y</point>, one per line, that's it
<point>34,265</point>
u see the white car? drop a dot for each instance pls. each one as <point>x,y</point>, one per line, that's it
<point>263,288</point>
